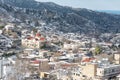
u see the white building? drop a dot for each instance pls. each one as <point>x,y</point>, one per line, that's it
<point>105,70</point>
<point>1,32</point>
<point>109,71</point>
<point>70,46</point>
<point>9,27</point>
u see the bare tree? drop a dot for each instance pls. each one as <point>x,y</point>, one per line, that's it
<point>19,70</point>
<point>69,74</point>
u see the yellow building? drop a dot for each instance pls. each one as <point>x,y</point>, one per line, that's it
<point>34,42</point>
<point>44,75</point>
<point>44,66</point>
<point>117,58</point>
<point>89,70</point>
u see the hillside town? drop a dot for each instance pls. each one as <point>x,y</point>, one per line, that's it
<point>48,41</point>
<point>36,54</point>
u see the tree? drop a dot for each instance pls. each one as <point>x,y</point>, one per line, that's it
<point>119,46</point>
<point>34,30</point>
<point>98,50</point>
<point>45,55</point>
<point>1,27</point>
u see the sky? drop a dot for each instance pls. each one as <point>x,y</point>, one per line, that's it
<point>89,4</point>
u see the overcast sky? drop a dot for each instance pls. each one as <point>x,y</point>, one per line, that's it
<point>90,4</point>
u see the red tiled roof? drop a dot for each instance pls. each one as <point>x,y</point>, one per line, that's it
<point>36,62</point>
<point>38,34</point>
<point>42,39</point>
<point>88,59</point>
<point>29,37</point>
<point>65,65</point>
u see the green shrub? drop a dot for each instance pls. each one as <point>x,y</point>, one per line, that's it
<point>1,27</point>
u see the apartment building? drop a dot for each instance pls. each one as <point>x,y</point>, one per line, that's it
<point>100,70</point>
<point>108,71</point>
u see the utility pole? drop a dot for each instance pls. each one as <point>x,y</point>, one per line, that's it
<point>1,67</point>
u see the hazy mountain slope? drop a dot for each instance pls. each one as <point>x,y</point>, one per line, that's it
<point>62,18</point>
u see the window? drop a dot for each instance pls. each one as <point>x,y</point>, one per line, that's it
<point>105,72</point>
<point>113,70</point>
<point>74,73</point>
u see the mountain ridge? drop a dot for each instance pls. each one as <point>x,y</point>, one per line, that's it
<point>65,19</point>
<point>116,12</point>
